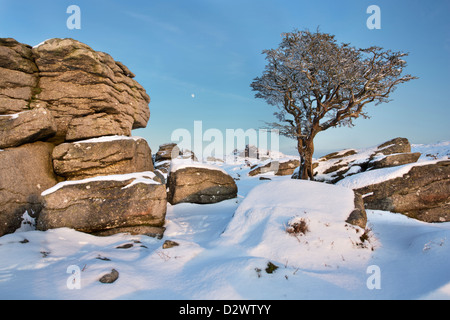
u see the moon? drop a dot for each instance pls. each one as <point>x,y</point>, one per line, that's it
<point>193,96</point>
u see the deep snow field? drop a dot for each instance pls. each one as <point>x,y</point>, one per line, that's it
<point>225,248</point>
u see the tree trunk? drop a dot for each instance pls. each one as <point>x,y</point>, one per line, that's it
<point>306,150</point>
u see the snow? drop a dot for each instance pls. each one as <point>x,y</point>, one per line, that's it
<point>11,116</point>
<point>440,150</point>
<point>259,225</point>
<point>139,177</point>
<point>178,164</point>
<point>224,249</point>
<point>109,138</point>
<point>40,44</point>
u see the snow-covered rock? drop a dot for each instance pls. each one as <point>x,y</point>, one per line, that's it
<point>338,165</point>
<point>420,190</point>
<point>416,184</point>
<point>105,204</point>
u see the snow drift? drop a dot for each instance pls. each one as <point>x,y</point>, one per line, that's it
<point>260,225</point>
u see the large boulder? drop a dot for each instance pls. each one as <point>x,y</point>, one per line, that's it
<point>339,165</point>
<point>18,76</point>
<point>106,205</point>
<point>102,156</point>
<point>25,172</point>
<point>26,127</point>
<point>79,82</point>
<point>199,183</point>
<point>88,93</point>
<point>418,191</point>
<point>396,145</point>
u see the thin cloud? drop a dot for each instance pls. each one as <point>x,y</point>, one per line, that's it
<point>155,22</point>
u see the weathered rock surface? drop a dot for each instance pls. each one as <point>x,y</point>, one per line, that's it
<point>393,160</point>
<point>200,185</point>
<point>18,76</point>
<point>102,156</point>
<point>95,125</point>
<point>338,165</point>
<point>25,172</point>
<point>423,193</point>
<point>358,217</point>
<point>396,145</point>
<point>26,127</point>
<point>105,204</point>
<point>281,168</point>
<point>338,155</point>
<point>88,93</point>
<point>167,151</point>
<point>77,81</point>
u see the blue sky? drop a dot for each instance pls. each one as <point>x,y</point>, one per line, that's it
<point>212,50</point>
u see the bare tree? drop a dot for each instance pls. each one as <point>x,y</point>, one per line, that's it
<point>318,84</point>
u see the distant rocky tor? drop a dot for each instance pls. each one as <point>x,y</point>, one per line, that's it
<point>66,113</point>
